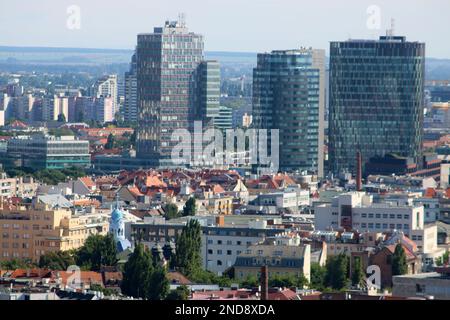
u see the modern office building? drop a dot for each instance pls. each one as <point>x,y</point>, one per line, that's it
<point>224,119</point>
<point>130,112</point>
<point>289,95</point>
<point>208,91</point>
<point>376,100</point>
<point>49,152</point>
<point>166,63</point>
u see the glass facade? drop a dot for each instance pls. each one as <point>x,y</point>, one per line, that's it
<point>208,91</point>
<point>288,94</point>
<point>376,100</point>
<point>166,64</point>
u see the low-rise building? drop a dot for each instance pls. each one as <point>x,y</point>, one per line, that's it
<point>282,259</point>
<point>432,284</point>
<point>49,152</point>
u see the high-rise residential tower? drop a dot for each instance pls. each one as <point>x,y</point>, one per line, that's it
<point>376,100</point>
<point>166,63</point>
<point>106,87</point>
<point>289,95</point>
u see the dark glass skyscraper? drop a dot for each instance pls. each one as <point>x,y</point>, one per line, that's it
<point>166,63</point>
<point>376,100</point>
<point>289,95</point>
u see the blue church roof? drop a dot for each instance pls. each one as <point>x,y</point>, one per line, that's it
<point>116,215</point>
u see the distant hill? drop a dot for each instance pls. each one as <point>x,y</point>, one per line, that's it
<point>438,69</point>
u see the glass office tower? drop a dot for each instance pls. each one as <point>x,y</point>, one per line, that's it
<point>376,100</point>
<point>208,91</point>
<point>289,95</point>
<point>166,63</point>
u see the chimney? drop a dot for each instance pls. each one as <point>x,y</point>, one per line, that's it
<point>358,171</point>
<point>265,283</point>
<point>220,221</point>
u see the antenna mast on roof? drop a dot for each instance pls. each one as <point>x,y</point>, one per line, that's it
<point>390,32</point>
<point>182,19</point>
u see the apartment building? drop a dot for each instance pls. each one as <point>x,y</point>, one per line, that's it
<point>27,232</point>
<point>223,237</point>
<point>283,259</point>
<point>17,187</point>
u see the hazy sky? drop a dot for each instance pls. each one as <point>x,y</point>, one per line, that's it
<point>228,25</point>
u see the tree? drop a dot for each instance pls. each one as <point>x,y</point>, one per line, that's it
<point>144,277</point>
<point>337,272</point>
<point>171,211</point>
<point>14,264</point>
<point>62,118</point>
<point>59,260</point>
<point>318,274</point>
<point>250,281</point>
<point>288,281</point>
<point>180,293</point>
<point>357,272</point>
<point>188,257</point>
<point>111,142</point>
<point>189,208</point>
<point>97,251</point>
<point>399,266</point>
<point>443,260</point>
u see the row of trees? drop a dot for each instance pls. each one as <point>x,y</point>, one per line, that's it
<point>48,176</point>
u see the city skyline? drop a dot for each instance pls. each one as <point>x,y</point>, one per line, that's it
<point>249,32</point>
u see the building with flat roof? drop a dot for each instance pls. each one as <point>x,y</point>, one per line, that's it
<point>223,237</point>
<point>27,232</point>
<point>376,100</point>
<point>289,95</point>
<point>49,152</point>
<point>431,284</point>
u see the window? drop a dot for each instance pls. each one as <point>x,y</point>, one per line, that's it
<point>378,216</point>
<point>238,243</point>
<point>210,241</point>
<point>391,226</point>
<point>363,225</point>
<point>219,262</point>
<point>370,215</point>
<point>229,252</point>
<point>385,225</point>
<point>406,226</point>
<point>392,216</point>
<point>210,251</point>
<point>405,216</point>
<point>378,225</point>
<point>229,242</point>
<point>370,225</point>
<point>399,225</point>
<point>219,241</point>
<point>399,216</point>
<point>363,215</point>
<point>219,252</point>
<point>385,215</point>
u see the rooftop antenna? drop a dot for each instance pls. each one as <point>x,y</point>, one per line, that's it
<point>390,32</point>
<point>182,19</point>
